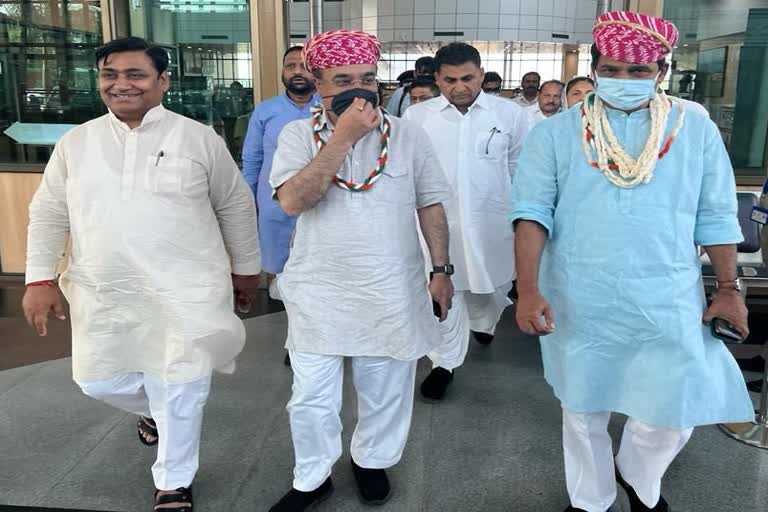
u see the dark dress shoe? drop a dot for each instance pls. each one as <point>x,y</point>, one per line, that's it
<point>298,501</point>
<point>372,485</point>
<point>635,504</point>
<point>483,338</point>
<point>435,385</point>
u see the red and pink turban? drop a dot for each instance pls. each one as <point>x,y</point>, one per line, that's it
<point>632,37</point>
<point>340,48</point>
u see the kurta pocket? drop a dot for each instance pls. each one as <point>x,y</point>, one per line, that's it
<point>176,178</point>
<point>164,175</point>
<point>394,186</point>
<point>488,181</point>
<point>491,145</point>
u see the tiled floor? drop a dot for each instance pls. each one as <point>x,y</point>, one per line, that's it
<point>493,446</point>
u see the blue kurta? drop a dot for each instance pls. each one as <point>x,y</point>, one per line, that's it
<point>275,226</point>
<point>622,273</point>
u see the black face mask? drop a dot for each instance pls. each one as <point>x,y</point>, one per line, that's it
<point>342,101</point>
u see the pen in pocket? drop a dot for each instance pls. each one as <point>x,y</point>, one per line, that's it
<point>494,131</point>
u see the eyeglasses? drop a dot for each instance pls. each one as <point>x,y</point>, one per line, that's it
<point>366,81</point>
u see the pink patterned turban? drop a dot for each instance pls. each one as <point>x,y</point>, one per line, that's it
<point>340,48</point>
<point>635,38</point>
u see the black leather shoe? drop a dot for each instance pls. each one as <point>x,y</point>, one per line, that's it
<point>572,509</point>
<point>635,505</point>
<point>483,338</point>
<point>372,485</point>
<point>435,385</point>
<point>298,501</point>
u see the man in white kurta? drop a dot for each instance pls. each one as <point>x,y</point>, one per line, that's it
<point>548,103</point>
<point>477,138</point>
<point>159,218</point>
<point>354,284</point>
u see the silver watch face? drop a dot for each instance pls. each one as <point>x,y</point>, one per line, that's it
<point>736,284</point>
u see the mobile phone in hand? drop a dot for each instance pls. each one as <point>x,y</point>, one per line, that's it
<point>725,331</point>
<point>436,309</point>
<point>242,302</point>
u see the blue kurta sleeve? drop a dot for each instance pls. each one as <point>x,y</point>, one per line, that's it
<point>534,189</point>
<point>253,150</point>
<point>716,218</point>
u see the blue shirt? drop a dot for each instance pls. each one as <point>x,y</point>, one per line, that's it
<point>275,226</point>
<point>398,102</point>
<point>622,274</point>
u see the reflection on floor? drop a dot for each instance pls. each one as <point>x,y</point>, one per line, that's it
<point>493,446</point>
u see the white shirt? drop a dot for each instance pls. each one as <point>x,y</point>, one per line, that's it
<point>535,115</point>
<point>522,102</point>
<point>354,283</point>
<point>159,216</point>
<point>478,152</point>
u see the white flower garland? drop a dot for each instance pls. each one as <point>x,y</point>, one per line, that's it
<point>615,164</point>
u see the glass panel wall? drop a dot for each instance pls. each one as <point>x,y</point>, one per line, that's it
<point>209,46</point>
<point>721,62</point>
<point>511,60</point>
<point>48,80</point>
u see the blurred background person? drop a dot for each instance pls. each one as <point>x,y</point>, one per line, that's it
<point>422,89</point>
<point>530,88</point>
<point>492,83</point>
<point>425,66</point>
<point>549,102</point>
<point>577,88</point>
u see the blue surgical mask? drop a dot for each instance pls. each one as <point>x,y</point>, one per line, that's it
<point>625,93</point>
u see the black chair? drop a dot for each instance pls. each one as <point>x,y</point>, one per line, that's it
<point>749,228</point>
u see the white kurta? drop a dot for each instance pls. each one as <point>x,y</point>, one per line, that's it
<point>478,152</point>
<point>524,103</point>
<point>159,216</point>
<point>354,283</point>
<point>534,115</point>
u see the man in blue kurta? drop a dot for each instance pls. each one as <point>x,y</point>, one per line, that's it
<point>610,201</point>
<point>267,120</point>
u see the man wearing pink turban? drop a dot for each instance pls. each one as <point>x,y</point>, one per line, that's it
<point>354,284</point>
<point>611,200</point>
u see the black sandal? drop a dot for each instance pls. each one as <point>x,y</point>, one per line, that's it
<point>147,427</point>
<point>180,495</point>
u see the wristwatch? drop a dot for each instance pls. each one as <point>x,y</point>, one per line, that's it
<point>730,285</point>
<point>443,269</point>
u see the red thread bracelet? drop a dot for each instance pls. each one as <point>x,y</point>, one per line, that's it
<point>49,282</point>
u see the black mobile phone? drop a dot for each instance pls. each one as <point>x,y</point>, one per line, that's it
<point>724,330</point>
<point>436,309</point>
